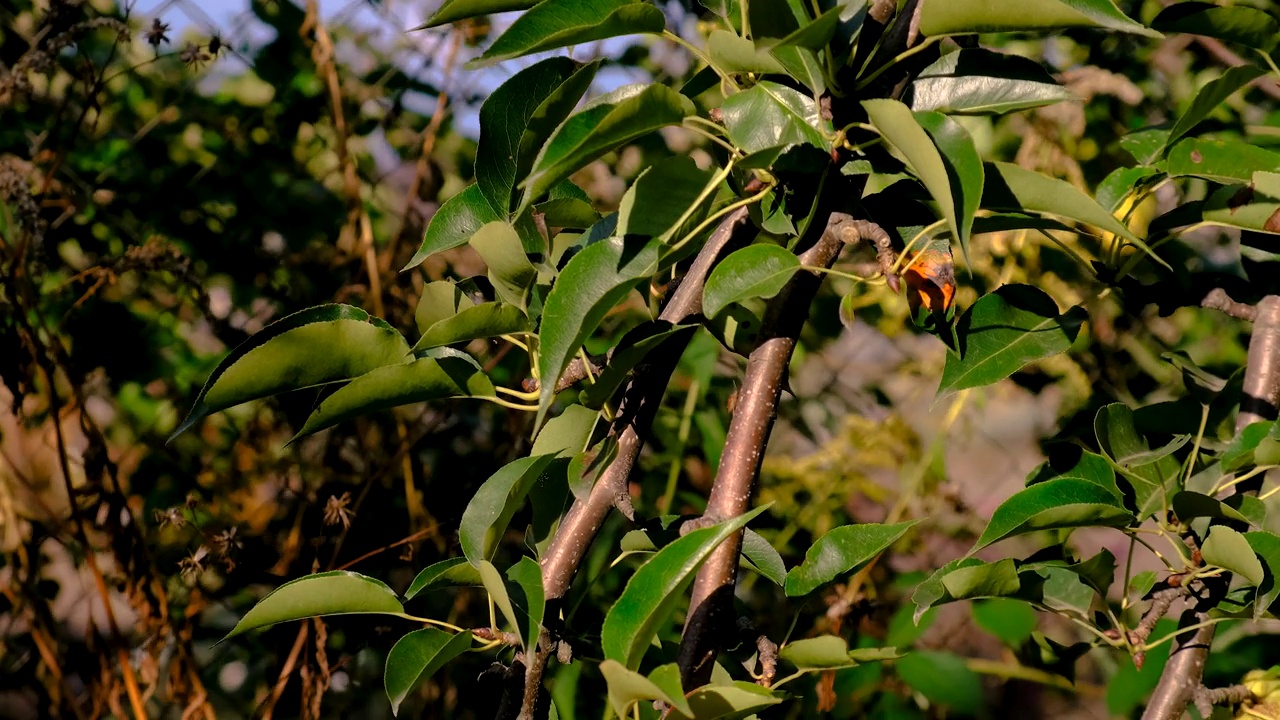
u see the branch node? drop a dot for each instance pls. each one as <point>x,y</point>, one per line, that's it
<point>1218,299</point>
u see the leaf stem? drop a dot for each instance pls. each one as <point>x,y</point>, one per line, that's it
<point>894,61</point>
<point>719,214</point>
<point>668,35</point>
<point>1252,473</point>
<point>518,394</point>
<point>430,621</point>
<point>838,273</point>
<point>733,151</point>
<point>1157,643</point>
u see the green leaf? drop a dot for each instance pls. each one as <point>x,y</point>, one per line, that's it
<point>634,347</point>
<point>963,17</point>
<point>1189,505</point>
<point>454,223</point>
<point>978,82</point>
<point>811,36</point>
<point>595,280</point>
<point>602,125</point>
<point>756,271</point>
<point>1267,547</point>
<point>391,386</point>
<point>660,196</point>
<point>932,591</point>
<point>964,169</point>
<point>902,129</point>
<point>983,580</point>
<point>1145,145</point>
<point>654,590</point>
<point>548,116</point>
<point>1247,26</point>
<point>1010,187</point>
<point>943,677</point>
<point>504,117</point>
<point>1228,549</point>
<point>440,300</point>
<point>735,55</point>
<point>497,589</point>
<point>1098,572</point>
<point>1003,332</point>
<point>1213,94</point>
<point>567,213</point>
<point>454,572</point>
<point>416,657</point>
<point>1142,583</point>
<point>770,115</point>
<point>1012,621</point>
<point>628,687</point>
<point>1089,467</point>
<point>339,592</point>
<point>1255,206</point>
<point>527,575</point>
<point>839,551</point>
<point>1119,440</point>
<point>1222,161</point>
<point>1061,503</point>
<point>763,557</point>
<point>555,24</point>
<point>738,699</point>
<point>454,10</point>
<point>568,433</point>
<point>317,346</point>
<point>820,653</point>
<point>1116,187</point>
<point>1064,591</point>
<point>510,271</point>
<point>480,321</point>
<point>490,510</point>
<point>667,678</point>
<point>804,66</point>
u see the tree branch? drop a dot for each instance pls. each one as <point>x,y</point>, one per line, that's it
<point>1180,683</point>
<point>643,395</point>
<point>711,606</point>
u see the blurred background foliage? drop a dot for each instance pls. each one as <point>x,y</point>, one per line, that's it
<point>168,192</point>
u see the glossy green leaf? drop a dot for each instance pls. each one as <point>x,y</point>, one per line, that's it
<point>567,434</point>
<point>1240,24</point>
<point>982,580</point>
<point>391,386</point>
<point>317,346</point>
<point>510,271</point>
<point>756,271</point>
<point>454,10</point>
<point>660,197</point>
<point>1010,187</point>
<point>1153,482</point>
<point>1222,161</point>
<point>840,551</point>
<point>654,590</point>
<point>501,597</point>
<point>1064,592</point>
<point>978,82</point>
<point>416,657</point>
<point>1012,621</point>
<point>1213,94</point>
<point>1003,332</point>
<point>1146,145</point>
<point>932,591</point>
<point>728,701</point>
<point>813,35</point>
<point>1061,503</point>
<point>634,347</point>
<point>1189,505</point>
<point>803,65</point>
<point>603,125</point>
<point>1004,222</point>
<point>595,280</point>
<point>1089,467</point>
<point>480,321</point>
<point>544,121</point>
<point>1229,549</point>
<point>769,115</point>
<point>490,510</point>
<point>1098,572</point>
<point>819,653</point>
<point>567,213</point>
<point>667,678</point>
<point>504,117</point>
<point>1142,583</point>
<point>555,24</point>
<point>457,219</point>
<point>454,572</point>
<point>963,17</point>
<point>943,677</point>
<point>1255,206</point>
<point>1267,547</point>
<point>339,592</point>
<point>764,558</point>
<point>1116,187</point>
<point>964,169</point>
<point>531,602</point>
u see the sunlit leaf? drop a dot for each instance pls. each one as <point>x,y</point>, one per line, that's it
<point>977,81</point>
<point>756,271</point>
<point>454,223</point>
<point>770,115</point>
<point>840,551</point>
<point>1247,26</point>
<point>555,24</point>
<point>962,17</point>
<point>491,508</point>
<point>339,592</point>
<point>416,657</point>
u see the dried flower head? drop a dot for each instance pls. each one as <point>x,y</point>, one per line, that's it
<point>193,56</point>
<point>170,516</point>
<point>193,565</point>
<point>227,542</point>
<point>215,45</point>
<point>158,33</point>
<point>337,510</point>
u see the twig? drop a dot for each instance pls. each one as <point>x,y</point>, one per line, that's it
<point>1160,603</point>
<point>1205,698</point>
<point>711,601</point>
<point>1181,680</point>
<point>640,400</point>
<point>1219,300</point>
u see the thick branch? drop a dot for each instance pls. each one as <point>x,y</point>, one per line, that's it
<point>711,606</point>
<point>1181,680</point>
<point>643,394</point>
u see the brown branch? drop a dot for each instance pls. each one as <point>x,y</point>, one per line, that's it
<point>640,400</point>
<point>1181,680</point>
<point>1218,299</point>
<point>711,606</point>
<point>1205,698</point>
